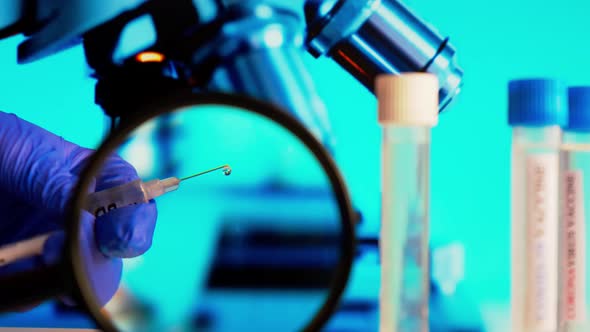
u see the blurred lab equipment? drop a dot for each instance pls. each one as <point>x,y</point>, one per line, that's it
<point>537,110</point>
<point>452,308</point>
<point>408,109</point>
<point>448,267</point>
<point>136,47</point>
<point>212,249</point>
<point>574,295</point>
<point>140,50</point>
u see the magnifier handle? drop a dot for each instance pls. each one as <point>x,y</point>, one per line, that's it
<point>21,290</point>
<point>24,290</point>
<point>13,252</point>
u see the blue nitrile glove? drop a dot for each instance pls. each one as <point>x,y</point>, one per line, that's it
<point>38,175</point>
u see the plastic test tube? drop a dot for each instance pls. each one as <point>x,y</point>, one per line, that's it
<point>408,108</point>
<point>575,198</point>
<point>537,109</point>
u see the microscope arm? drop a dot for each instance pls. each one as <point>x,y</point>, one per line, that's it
<point>12,14</point>
<point>246,47</point>
<point>19,16</point>
<point>54,25</point>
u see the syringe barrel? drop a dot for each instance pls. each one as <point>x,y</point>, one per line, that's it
<point>372,37</point>
<point>102,202</point>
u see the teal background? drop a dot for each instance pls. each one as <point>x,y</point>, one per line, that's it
<point>495,41</point>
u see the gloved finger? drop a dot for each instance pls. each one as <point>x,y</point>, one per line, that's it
<point>33,163</point>
<point>78,158</point>
<point>115,171</point>
<point>104,273</point>
<point>127,231</point>
<point>22,221</point>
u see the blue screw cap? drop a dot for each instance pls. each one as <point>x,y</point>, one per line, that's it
<point>579,109</point>
<point>537,102</point>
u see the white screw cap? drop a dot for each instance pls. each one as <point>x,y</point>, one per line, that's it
<point>409,99</point>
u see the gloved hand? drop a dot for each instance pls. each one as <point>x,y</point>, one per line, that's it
<point>38,175</point>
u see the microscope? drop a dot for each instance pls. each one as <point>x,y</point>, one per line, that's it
<point>137,48</point>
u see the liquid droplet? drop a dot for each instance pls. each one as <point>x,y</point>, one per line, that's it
<point>226,170</point>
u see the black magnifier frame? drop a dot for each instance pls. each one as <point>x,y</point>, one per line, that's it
<point>173,102</point>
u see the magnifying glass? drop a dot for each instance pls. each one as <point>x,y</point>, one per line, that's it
<point>268,248</point>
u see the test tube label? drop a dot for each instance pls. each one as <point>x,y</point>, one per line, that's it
<point>542,224</point>
<point>573,251</point>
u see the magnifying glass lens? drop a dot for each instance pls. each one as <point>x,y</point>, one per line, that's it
<point>256,250</point>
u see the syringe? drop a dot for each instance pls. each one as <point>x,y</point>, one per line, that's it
<point>136,192</point>
<point>100,203</point>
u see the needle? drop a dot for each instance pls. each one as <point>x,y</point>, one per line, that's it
<point>226,170</point>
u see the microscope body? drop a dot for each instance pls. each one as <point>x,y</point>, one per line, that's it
<point>246,47</point>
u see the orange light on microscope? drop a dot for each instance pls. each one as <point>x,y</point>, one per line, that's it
<point>149,57</point>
